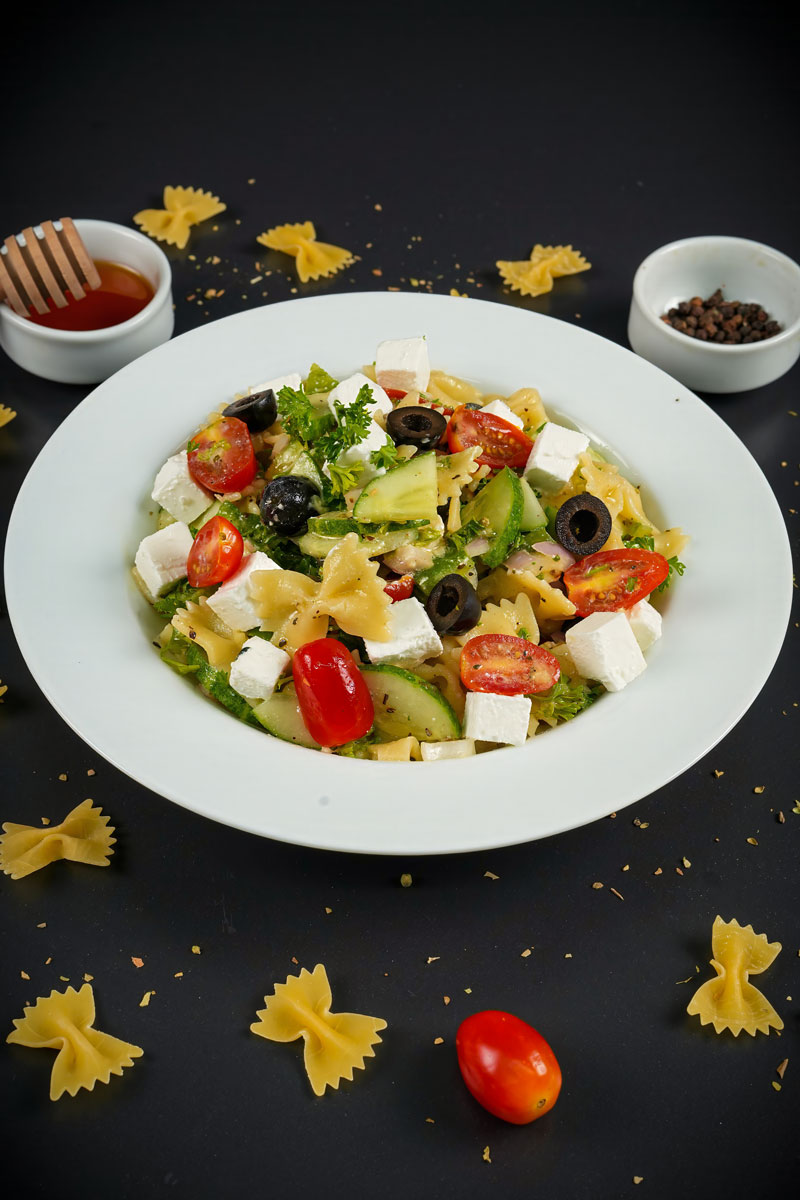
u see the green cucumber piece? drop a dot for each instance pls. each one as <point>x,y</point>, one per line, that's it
<point>452,562</point>
<point>498,508</point>
<point>164,519</point>
<point>294,460</point>
<point>321,420</point>
<point>335,524</point>
<point>405,492</point>
<point>318,380</point>
<point>215,684</point>
<point>533,515</point>
<point>280,715</point>
<point>206,515</point>
<point>405,704</point>
<point>319,545</point>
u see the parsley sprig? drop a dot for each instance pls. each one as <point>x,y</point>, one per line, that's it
<point>352,426</point>
<point>676,567</point>
<point>564,700</point>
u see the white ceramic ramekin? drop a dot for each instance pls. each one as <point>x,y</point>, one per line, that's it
<point>746,271</point>
<point>90,356</point>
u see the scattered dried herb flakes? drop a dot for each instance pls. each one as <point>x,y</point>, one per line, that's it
<point>596,886</point>
<point>137,962</point>
<point>328,910</point>
<point>781,1067</point>
<point>45,820</point>
<point>438,1041</point>
<point>178,975</point>
<point>761,788</point>
<point>446,999</point>
<point>627,867</point>
<point>42,925</point>
<point>658,871</point>
<point>197,950</point>
<point>429,1121</point>
<point>468,991</point>
<point>619,895</point>
<point>406,880</point>
<point>24,975</point>
<point>638,1178</point>
<point>490,875</point>
<point>640,824</point>
<point>525,953</point>
<point>90,772</point>
<point>717,774</point>
<point>686,862</point>
<point>145,1000</point>
<point>486,1154</point>
<point>776,1085</point>
<point>63,777</point>
<point>781,819</point>
<point>433,958</point>
<point>753,841</point>
<point>87,978</point>
<point>567,956</point>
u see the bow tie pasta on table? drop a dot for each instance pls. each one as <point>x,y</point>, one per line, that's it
<point>730,1001</point>
<point>313,259</point>
<point>183,208</point>
<point>479,571</point>
<point>84,836</point>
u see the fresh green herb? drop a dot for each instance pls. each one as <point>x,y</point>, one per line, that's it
<point>564,700</point>
<point>192,445</point>
<point>359,748</point>
<point>385,456</point>
<point>527,540</point>
<point>342,479</point>
<point>249,526</point>
<point>631,583</point>
<point>214,451</point>
<point>318,381</point>
<point>353,421</point>
<point>541,427</point>
<point>523,633</point>
<point>462,537</point>
<point>178,597</point>
<point>297,414</point>
<point>175,654</point>
<point>647,542</point>
<point>551,514</point>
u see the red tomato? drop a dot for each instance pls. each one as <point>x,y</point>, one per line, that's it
<point>395,393</point>
<point>507,1066</point>
<point>614,579</point>
<point>503,444</point>
<point>400,588</point>
<point>215,554</point>
<point>512,666</point>
<point>221,457</point>
<point>334,700</point>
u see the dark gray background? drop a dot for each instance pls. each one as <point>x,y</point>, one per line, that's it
<point>478,131</point>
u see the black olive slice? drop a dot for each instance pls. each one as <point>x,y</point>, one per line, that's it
<point>258,411</point>
<point>453,605</point>
<point>286,503</point>
<point>583,524</point>
<point>416,425</point>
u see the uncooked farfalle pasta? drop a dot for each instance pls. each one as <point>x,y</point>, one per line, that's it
<point>183,208</point>
<point>730,1001</point>
<point>534,275</point>
<point>313,259</point>
<point>84,836</point>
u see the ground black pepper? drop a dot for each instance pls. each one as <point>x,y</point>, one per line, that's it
<point>725,322</point>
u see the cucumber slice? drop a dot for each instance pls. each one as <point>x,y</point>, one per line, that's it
<point>406,704</point>
<point>405,492</point>
<point>318,545</point>
<point>206,515</point>
<point>453,562</point>
<point>321,420</point>
<point>215,684</point>
<point>335,524</point>
<point>498,508</point>
<point>533,515</point>
<point>280,715</point>
<point>293,460</point>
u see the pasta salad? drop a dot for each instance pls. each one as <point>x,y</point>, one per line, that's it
<point>398,566</point>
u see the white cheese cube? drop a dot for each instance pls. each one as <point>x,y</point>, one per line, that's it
<point>161,557</point>
<point>489,717</point>
<point>554,457</point>
<point>347,391</point>
<point>645,621</point>
<point>293,381</point>
<point>499,408</point>
<point>257,669</point>
<point>232,601</point>
<point>176,491</point>
<point>403,364</point>
<point>412,637</point>
<point>603,647</point>
<point>436,751</point>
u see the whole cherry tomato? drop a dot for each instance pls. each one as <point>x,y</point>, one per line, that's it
<point>512,666</point>
<point>503,444</point>
<point>221,457</point>
<point>614,579</point>
<point>334,700</point>
<point>507,1066</point>
<point>215,554</point>
<point>400,589</point>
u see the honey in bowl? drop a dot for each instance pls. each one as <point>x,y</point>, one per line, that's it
<point>122,293</point>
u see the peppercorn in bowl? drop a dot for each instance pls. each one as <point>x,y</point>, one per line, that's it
<point>721,314</point>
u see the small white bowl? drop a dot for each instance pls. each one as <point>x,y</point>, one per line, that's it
<point>90,356</point>
<point>746,271</point>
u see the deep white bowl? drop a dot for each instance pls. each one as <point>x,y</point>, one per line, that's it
<point>90,356</point>
<point>746,271</point>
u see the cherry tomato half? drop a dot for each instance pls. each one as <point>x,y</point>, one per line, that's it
<point>334,700</point>
<point>400,589</point>
<point>503,444</point>
<point>215,554</point>
<point>507,1066</point>
<point>221,457</point>
<point>395,393</point>
<point>614,579</point>
<point>512,666</point>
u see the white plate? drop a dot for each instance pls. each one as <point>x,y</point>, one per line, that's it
<point>84,630</point>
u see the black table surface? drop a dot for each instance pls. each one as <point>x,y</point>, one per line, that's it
<point>431,141</point>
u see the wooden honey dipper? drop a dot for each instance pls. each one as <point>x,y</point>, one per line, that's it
<point>33,268</point>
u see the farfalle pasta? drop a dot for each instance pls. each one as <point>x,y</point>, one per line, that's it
<point>730,1001</point>
<point>533,276</point>
<point>468,555</point>
<point>336,1044</point>
<point>64,1021</point>
<point>84,836</point>
<point>313,259</point>
<point>183,208</point>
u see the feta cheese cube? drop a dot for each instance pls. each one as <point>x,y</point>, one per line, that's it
<point>361,454</point>
<point>161,557</point>
<point>554,457</point>
<point>347,391</point>
<point>403,364</point>
<point>412,637</point>
<point>257,669</point>
<point>176,491</point>
<point>489,717</point>
<point>232,601</point>
<point>603,647</point>
<point>281,381</point>
<point>499,408</point>
<point>645,622</point>
<point>435,751</point>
